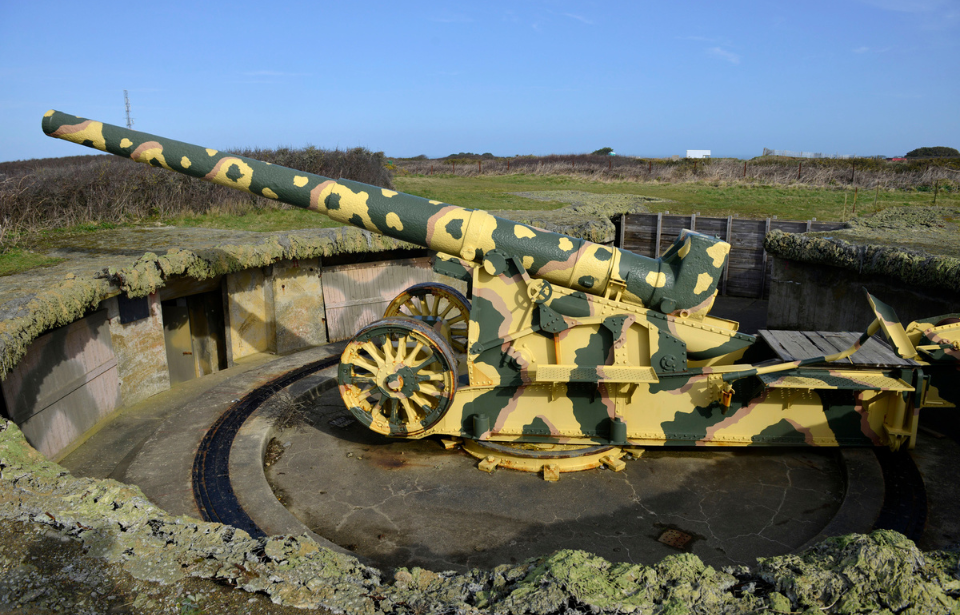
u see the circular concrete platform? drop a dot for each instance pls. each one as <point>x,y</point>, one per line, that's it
<point>405,503</point>
<point>412,503</point>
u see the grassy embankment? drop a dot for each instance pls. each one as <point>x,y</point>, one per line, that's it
<point>797,202</point>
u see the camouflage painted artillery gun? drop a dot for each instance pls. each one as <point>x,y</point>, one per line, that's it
<point>566,342</point>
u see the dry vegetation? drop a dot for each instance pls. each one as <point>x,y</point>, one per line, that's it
<point>922,175</point>
<point>40,195</point>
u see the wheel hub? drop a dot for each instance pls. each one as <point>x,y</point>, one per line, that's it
<point>394,382</point>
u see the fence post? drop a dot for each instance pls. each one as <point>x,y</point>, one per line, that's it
<point>799,168</point>
<point>744,169</point>
<point>508,165</point>
<point>728,238</point>
<point>936,190</point>
<point>855,190</point>
<point>693,222</point>
<point>479,167</point>
<point>656,251</point>
<point>649,167</point>
<point>763,262</point>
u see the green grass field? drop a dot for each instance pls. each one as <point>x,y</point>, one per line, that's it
<point>747,201</point>
<point>496,193</point>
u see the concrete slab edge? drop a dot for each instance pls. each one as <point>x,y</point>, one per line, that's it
<point>250,482</point>
<point>862,498</point>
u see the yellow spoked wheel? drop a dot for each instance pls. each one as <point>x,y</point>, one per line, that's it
<point>440,307</point>
<point>398,376</point>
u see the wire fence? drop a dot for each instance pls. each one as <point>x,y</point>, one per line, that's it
<point>791,154</point>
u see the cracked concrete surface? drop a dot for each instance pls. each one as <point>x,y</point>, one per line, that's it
<point>411,503</point>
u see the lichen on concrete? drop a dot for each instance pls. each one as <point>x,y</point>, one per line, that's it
<point>116,522</point>
<point>881,572</point>
<point>587,216</point>
<point>138,262</point>
<point>913,267</point>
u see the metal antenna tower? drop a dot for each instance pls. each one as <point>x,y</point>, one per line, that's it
<point>126,101</point>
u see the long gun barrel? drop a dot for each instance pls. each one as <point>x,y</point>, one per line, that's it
<point>683,280</point>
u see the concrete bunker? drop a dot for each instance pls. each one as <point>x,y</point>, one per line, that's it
<point>255,291</point>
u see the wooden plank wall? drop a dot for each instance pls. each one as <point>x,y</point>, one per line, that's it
<point>748,268</point>
<point>356,295</point>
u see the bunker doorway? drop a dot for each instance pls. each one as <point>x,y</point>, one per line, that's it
<point>194,335</point>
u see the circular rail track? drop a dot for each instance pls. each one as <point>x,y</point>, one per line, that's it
<point>211,476</point>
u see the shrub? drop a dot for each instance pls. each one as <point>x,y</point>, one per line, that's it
<point>933,152</point>
<point>41,194</point>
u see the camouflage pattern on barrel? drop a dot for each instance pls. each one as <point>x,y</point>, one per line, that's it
<point>684,279</point>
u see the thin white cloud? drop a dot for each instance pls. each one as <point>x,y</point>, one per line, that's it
<point>699,39</point>
<point>579,18</point>
<point>723,54</point>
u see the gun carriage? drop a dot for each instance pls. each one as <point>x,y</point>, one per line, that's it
<point>566,342</point>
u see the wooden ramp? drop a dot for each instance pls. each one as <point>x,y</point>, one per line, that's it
<point>794,345</point>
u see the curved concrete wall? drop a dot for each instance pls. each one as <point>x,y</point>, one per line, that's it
<point>117,323</point>
<point>77,375</point>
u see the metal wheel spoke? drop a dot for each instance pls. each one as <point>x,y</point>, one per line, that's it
<point>423,401</point>
<point>426,361</point>
<point>374,354</point>
<point>446,310</point>
<point>388,349</point>
<point>413,355</point>
<point>428,389</point>
<point>401,349</point>
<point>363,363</point>
<point>408,410</point>
<point>411,305</point>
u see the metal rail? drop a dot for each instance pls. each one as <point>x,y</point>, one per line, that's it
<point>212,490</point>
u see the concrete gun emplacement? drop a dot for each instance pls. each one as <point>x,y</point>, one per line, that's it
<point>567,342</point>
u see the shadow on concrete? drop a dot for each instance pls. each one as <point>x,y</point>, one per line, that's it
<point>411,503</point>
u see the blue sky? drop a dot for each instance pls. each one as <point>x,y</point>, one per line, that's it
<point>858,77</point>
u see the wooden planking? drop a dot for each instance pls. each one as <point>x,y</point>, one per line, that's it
<point>794,345</point>
<point>748,269</point>
<point>824,347</point>
<point>356,295</point>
